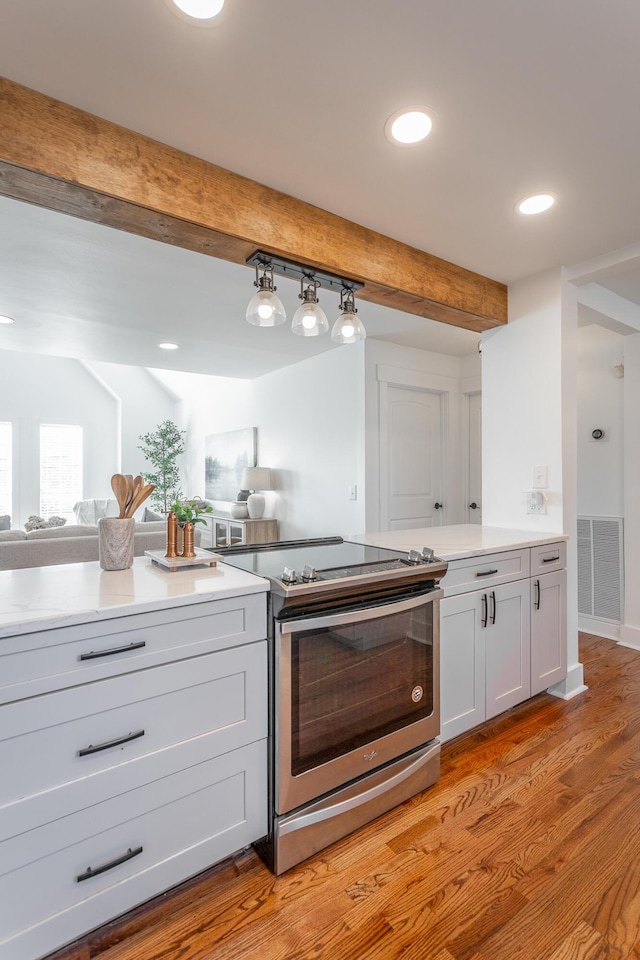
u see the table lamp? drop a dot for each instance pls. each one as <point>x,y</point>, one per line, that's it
<point>256,479</point>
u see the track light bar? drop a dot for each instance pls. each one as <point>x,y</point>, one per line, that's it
<point>302,272</point>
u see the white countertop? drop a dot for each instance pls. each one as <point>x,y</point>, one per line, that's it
<point>41,598</point>
<point>458,541</point>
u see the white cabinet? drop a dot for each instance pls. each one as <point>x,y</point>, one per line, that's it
<point>137,752</point>
<point>505,642</point>
<point>548,630</point>
<point>507,647</point>
<point>223,531</point>
<point>462,664</point>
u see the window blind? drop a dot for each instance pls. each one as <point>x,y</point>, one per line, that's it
<point>60,469</point>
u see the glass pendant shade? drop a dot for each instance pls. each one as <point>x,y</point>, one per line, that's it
<point>309,320</point>
<point>348,328</point>
<point>265,309</point>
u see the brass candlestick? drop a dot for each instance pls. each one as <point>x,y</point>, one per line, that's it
<point>172,536</point>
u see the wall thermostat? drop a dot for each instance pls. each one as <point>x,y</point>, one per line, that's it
<point>597,434</point>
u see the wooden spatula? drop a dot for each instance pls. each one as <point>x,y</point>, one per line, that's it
<point>139,497</point>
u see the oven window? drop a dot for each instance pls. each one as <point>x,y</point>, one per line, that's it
<point>352,684</point>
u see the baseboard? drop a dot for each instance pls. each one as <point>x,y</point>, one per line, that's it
<point>608,629</point>
<point>572,686</point>
<point>629,637</point>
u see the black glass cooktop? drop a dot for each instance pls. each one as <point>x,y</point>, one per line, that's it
<point>332,558</point>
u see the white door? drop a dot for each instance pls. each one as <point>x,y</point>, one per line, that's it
<point>411,459</point>
<point>474,503</point>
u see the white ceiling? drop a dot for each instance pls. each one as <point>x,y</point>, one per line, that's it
<point>530,96</point>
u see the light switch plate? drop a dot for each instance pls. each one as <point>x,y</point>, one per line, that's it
<point>540,478</point>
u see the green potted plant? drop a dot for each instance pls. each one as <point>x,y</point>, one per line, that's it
<point>162,448</point>
<point>188,513</point>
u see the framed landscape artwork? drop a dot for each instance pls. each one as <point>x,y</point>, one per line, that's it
<point>226,456</point>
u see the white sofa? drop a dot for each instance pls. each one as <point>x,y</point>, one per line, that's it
<point>74,543</point>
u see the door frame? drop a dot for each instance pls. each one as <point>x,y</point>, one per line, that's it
<point>469,386</point>
<point>448,390</point>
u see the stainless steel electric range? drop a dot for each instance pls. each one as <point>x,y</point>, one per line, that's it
<point>354,688</point>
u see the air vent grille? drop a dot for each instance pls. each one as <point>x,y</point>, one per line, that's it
<point>600,573</point>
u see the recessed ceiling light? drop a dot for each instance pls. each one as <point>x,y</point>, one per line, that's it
<point>168,346</point>
<point>535,204</point>
<point>410,125</point>
<point>200,9</point>
<point>7,320</point>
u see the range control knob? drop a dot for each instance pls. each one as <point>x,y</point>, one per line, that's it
<point>414,557</point>
<point>289,575</point>
<point>309,572</point>
<point>427,554</point>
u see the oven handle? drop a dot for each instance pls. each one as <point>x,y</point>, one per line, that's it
<point>324,810</point>
<point>358,616</point>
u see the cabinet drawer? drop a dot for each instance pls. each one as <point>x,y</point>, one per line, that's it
<point>36,663</point>
<point>546,559</point>
<point>478,573</point>
<point>176,827</point>
<point>102,738</point>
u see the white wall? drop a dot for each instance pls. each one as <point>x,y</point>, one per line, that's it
<point>529,418</point>
<point>630,630</point>
<point>310,420</point>
<point>600,405</point>
<point>41,389</point>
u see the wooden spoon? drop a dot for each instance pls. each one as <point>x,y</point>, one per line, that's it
<point>139,497</point>
<point>120,487</point>
<point>129,478</point>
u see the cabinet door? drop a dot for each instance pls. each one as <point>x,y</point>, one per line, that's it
<point>548,630</point>
<point>508,649</point>
<point>462,659</point>
<point>220,533</point>
<point>236,533</point>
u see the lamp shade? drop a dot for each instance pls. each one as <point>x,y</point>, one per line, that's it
<point>256,478</point>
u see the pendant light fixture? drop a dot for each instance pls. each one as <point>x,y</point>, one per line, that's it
<point>309,320</point>
<point>348,328</point>
<point>265,308</point>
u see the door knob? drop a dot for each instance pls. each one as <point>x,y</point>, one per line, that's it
<point>473,506</point>
<point>437,506</point>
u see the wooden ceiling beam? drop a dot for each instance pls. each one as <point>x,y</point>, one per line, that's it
<point>57,156</point>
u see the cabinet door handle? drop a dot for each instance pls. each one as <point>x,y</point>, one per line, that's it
<point>438,506</point>
<point>110,743</point>
<point>485,573</point>
<point>94,654</point>
<point>94,871</point>
<point>551,559</point>
<point>483,617</point>
<point>537,600</point>
<point>492,618</point>
<point>473,506</point>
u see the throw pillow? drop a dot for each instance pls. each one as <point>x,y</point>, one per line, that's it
<point>149,516</point>
<point>5,522</point>
<point>37,523</point>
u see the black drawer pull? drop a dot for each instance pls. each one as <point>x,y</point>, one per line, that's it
<point>111,743</point>
<point>93,655</point>
<point>93,872</point>
<point>486,573</point>
<point>551,559</point>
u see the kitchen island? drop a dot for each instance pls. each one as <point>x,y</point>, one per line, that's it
<point>503,616</point>
<point>133,724</point>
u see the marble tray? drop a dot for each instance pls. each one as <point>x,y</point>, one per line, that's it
<point>177,563</point>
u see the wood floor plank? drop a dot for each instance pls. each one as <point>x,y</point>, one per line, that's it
<point>526,849</point>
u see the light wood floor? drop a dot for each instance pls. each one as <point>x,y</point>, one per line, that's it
<point>527,849</point>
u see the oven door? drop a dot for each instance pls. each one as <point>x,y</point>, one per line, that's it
<point>353,691</point>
